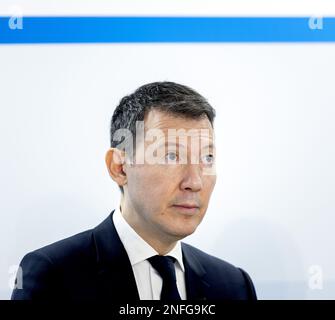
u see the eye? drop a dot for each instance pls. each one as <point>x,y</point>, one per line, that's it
<point>171,156</point>
<point>208,159</point>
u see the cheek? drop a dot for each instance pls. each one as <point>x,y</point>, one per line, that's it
<point>161,183</point>
<point>210,181</point>
<point>151,184</point>
<point>209,184</point>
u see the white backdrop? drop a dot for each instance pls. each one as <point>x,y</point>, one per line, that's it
<point>272,212</point>
<point>268,8</point>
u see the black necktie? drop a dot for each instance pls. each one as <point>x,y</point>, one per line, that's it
<point>165,267</point>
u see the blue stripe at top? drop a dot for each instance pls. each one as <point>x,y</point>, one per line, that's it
<point>165,29</point>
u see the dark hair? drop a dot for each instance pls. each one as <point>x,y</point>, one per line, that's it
<point>169,97</point>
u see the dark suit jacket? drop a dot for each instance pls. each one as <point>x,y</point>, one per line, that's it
<point>93,265</point>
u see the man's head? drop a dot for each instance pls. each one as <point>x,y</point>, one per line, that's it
<point>166,195</point>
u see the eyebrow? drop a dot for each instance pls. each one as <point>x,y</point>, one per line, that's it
<point>167,143</point>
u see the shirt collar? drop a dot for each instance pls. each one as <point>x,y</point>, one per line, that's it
<point>137,248</point>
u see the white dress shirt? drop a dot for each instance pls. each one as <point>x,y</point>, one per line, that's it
<point>149,282</point>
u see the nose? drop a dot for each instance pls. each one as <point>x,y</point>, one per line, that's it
<point>192,179</point>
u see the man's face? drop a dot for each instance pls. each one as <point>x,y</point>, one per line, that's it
<point>169,200</point>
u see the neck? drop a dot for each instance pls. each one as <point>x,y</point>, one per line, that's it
<point>161,244</point>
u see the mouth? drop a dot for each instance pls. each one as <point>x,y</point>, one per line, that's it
<point>188,209</point>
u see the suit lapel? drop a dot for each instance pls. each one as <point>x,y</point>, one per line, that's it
<point>115,277</point>
<point>196,287</point>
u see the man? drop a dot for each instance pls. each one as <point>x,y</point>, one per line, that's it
<point>166,180</point>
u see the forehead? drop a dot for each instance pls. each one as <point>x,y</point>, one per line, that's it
<point>165,122</point>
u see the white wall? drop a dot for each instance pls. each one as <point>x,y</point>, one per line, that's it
<point>270,8</point>
<point>272,211</point>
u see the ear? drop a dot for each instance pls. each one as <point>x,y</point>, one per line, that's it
<point>115,160</point>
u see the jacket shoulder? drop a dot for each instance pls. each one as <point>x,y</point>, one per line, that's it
<point>44,271</point>
<point>224,275</point>
<point>209,261</point>
<point>78,246</point>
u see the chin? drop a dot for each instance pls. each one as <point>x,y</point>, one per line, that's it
<point>179,228</point>
<point>181,234</point>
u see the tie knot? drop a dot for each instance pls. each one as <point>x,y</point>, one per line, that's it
<point>164,265</point>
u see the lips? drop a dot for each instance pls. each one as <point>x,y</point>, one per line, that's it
<point>187,206</point>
